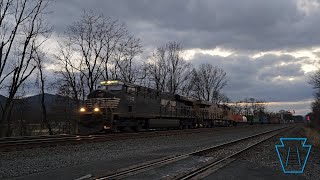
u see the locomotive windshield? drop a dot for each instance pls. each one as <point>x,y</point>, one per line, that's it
<point>113,85</point>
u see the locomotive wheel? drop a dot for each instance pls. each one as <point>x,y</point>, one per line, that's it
<point>226,123</point>
<point>137,128</point>
<point>90,125</point>
<point>83,130</point>
<point>115,128</point>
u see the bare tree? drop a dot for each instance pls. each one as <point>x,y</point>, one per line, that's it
<point>315,80</point>
<point>250,106</point>
<point>256,106</point>
<point>237,108</point>
<point>20,115</point>
<point>41,80</point>
<point>22,32</point>
<point>208,82</point>
<point>247,108</point>
<point>157,69</point>
<point>71,80</point>
<point>315,106</point>
<point>124,66</point>
<point>88,38</point>
<point>179,70</point>
<point>222,99</point>
<point>142,79</point>
<point>167,70</point>
<point>86,51</point>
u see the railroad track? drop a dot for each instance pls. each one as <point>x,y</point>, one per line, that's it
<point>27,142</point>
<point>195,165</point>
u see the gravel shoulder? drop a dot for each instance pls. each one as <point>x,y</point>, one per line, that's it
<point>261,162</point>
<point>74,161</point>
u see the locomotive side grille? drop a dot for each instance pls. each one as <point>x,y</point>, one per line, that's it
<point>111,103</point>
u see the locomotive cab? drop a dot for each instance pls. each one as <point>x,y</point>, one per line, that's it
<point>114,86</point>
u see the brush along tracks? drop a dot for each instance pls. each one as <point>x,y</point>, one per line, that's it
<point>195,165</point>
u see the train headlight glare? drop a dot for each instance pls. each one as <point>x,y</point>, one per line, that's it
<point>96,109</point>
<point>82,109</point>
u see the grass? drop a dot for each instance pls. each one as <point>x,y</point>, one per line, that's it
<point>313,136</point>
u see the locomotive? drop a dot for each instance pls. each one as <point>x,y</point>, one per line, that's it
<point>120,105</point>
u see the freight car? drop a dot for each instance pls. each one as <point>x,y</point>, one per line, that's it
<point>253,119</point>
<point>275,119</point>
<point>264,119</point>
<point>238,119</point>
<point>121,105</point>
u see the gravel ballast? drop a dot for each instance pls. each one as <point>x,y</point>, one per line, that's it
<point>261,162</point>
<point>22,163</point>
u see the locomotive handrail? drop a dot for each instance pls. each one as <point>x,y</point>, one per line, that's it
<point>103,102</point>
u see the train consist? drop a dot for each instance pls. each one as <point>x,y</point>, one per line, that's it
<point>263,119</point>
<point>121,105</point>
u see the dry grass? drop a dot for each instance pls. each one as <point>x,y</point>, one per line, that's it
<point>313,136</point>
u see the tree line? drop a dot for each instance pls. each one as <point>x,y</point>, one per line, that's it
<point>93,48</point>
<point>250,106</point>
<point>315,106</point>
<point>96,48</point>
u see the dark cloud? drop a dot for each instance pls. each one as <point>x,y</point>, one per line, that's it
<point>270,59</point>
<point>289,71</point>
<point>246,25</point>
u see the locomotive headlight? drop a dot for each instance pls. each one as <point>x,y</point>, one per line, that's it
<point>82,109</point>
<point>96,109</point>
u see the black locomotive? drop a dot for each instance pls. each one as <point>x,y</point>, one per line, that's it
<point>120,105</point>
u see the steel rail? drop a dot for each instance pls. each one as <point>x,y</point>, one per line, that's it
<point>25,142</point>
<point>168,160</point>
<point>200,170</point>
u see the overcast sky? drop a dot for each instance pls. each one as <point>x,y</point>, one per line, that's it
<point>268,48</point>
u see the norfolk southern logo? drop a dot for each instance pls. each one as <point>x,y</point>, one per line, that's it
<point>293,154</point>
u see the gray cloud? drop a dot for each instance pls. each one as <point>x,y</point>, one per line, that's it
<point>290,70</point>
<point>249,25</point>
<point>247,78</point>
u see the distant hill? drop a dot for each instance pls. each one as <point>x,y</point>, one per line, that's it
<point>29,108</point>
<point>51,101</point>
<point>2,98</point>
